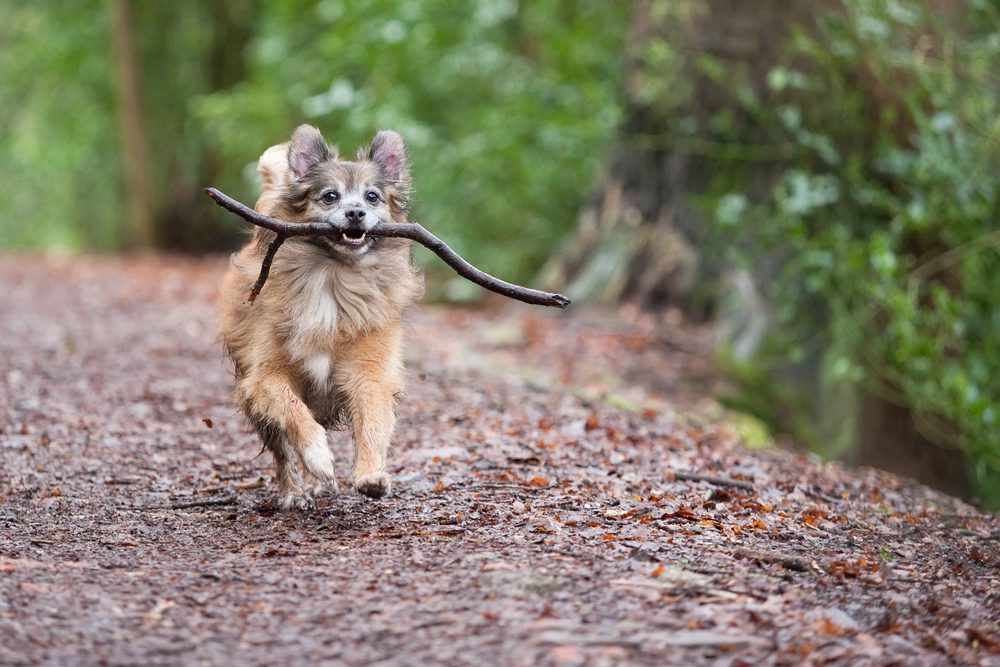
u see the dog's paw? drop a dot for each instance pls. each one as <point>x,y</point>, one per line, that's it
<point>296,501</point>
<point>318,460</point>
<point>374,485</point>
<point>316,488</point>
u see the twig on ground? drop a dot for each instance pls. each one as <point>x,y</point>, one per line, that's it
<point>492,487</point>
<point>396,534</point>
<point>209,502</point>
<point>787,561</point>
<point>240,486</point>
<point>718,481</point>
<point>407,230</point>
<point>819,495</point>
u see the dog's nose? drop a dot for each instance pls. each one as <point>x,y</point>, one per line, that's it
<point>355,215</point>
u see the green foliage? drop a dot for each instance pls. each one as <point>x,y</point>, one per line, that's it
<point>59,170</point>
<point>61,173</point>
<point>884,228</point>
<point>506,107</point>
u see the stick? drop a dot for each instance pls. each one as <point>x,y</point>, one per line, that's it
<point>787,561</point>
<point>407,230</point>
<point>265,267</point>
<point>718,481</point>
<point>211,502</point>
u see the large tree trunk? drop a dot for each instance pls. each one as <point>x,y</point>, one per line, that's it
<point>640,238</point>
<point>139,228</point>
<point>183,219</point>
<point>189,48</point>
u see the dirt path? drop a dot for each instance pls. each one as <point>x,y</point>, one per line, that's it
<point>535,520</point>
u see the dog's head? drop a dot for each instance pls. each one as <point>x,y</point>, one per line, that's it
<point>352,197</point>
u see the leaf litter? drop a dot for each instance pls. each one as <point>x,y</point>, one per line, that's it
<point>540,515</point>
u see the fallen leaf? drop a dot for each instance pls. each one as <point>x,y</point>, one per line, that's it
<point>29,587</point>
<point>813,516</point>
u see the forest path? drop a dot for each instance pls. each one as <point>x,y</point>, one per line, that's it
<point>535,519</point>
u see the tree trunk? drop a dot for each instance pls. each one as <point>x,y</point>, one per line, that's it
<point>188,48</point>
<point>183,220</point>
<point>132,127</point>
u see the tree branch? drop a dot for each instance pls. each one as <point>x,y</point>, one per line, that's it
<point>406,230</point>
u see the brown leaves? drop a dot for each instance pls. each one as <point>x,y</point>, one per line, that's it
<point>842,568</point>
<point>558,501</point>
<point>813,516</point>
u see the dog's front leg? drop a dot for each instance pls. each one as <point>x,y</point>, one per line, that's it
<point>370,374</point>
<point>269,399</point>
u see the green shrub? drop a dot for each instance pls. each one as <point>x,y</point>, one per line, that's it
<point>884,229</point>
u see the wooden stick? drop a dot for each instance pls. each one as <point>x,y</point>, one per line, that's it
<point>711,479</point>
<point>406,230</point>
<point>265,266</point>
<point>787,561</point>
<point>210,502</point>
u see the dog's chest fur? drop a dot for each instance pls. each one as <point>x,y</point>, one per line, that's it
<point>318,305</point>
<point>314,310</point>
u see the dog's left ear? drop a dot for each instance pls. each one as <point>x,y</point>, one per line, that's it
<point>389,152</point>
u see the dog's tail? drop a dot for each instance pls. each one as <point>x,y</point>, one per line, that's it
<point>273,169</point>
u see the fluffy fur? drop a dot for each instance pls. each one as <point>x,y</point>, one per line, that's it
<point>322,343</point>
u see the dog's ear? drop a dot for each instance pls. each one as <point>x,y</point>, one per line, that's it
<point>307,149</point>
<point>389,152</point>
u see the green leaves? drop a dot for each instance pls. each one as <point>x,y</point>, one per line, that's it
<point>507,108</point>
<point>885,231</point>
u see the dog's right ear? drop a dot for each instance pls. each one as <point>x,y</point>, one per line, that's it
<point>307,149</point>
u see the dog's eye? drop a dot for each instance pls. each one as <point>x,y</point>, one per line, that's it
<point>372,197</point>
<point>330,197</point>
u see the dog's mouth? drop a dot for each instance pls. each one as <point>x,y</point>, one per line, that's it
<point>353,238</point>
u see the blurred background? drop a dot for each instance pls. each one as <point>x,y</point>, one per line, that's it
<point>817,177</point>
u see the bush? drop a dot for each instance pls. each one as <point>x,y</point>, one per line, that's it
<point>884,227</point>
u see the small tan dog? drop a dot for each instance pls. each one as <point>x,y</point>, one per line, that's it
<point>322,343</point>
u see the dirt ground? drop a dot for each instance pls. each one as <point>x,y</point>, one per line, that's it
<point>544,511</point>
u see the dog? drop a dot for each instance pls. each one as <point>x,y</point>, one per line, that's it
<point>321,345</point>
